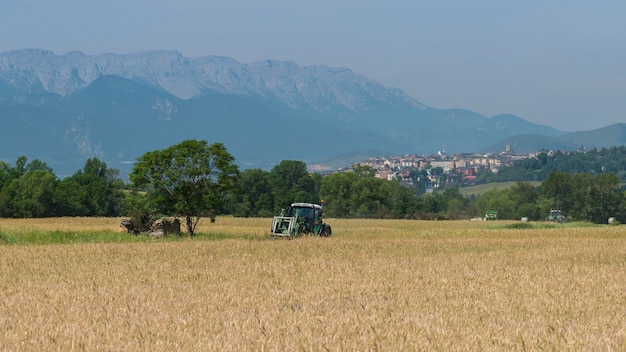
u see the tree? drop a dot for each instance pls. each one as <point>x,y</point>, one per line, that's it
<point>498,200</point>
<point>455,203</point>
<point>403,200</point>
<point>291,182</point>
<point>370,198</point>
<point>20,167</point>
<point>5,173</point>
<point>337,190</point>
<point>27,189</point>
<point>93,191</point>
<point>30,195</point>
<point>581,197</point>
<point>558,187</point>
<point>71,198</point>
<point>253,195</point>
<point>189,178</point>
<point>526,196</point>
<point>606,198</point>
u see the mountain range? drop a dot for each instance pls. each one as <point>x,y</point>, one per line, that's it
<point>63,109</point>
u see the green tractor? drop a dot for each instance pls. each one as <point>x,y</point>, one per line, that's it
<point>299,219</point>
<point>491,215</point>
<point>556,215</point>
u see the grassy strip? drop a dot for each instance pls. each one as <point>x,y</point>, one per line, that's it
<point>548,225</point>
<point>107,230</point>
<point>38,237</point>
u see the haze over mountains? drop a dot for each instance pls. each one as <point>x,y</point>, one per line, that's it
<point>63,109</point>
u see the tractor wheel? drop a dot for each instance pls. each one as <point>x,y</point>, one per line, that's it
<point>326,231</point>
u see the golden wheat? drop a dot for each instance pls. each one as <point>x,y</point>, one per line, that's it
<point>374,285</point>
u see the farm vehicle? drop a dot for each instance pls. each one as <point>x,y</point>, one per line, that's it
<point>299,219</point>
<point>556,216</point>
<point>491,215</point>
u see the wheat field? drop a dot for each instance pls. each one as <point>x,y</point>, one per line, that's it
<point>388,285</point>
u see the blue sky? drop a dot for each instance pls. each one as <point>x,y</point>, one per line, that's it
<point>559,63</point>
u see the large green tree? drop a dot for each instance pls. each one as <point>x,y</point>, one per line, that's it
<point>580,206</point>
<point>372,198</point>
<point>292,182</point>
<point>558,187</point>
<point>526,196</point>
<point>606,198</point>
<point>27,189</point>
<point>31,195</point>
<point>500,200</point>
<point>189,178</point>
<point>337,190</point>
<point>93,191</point>
<point>253,195</point>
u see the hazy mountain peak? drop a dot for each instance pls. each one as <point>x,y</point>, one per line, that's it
<point>296,86</point>
<point>118,106</point>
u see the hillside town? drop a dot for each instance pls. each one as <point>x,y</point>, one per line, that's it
<point>440,169</point>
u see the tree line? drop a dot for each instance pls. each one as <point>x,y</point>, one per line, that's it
<point>194,179</point>
<point>31,189</point>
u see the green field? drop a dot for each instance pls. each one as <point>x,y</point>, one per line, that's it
<point>394,285</point>
<point>480,189</point>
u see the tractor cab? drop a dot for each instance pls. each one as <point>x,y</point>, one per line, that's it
<point>309,213</point>
<point>300,218</point>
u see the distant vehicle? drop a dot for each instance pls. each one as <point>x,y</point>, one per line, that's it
<point>556,215</point>
<point>299,219</point>
<point>491,215</point>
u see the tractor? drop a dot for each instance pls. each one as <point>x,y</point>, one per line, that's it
<point>556,215</point>
<point>491,215</point>
<point>299,219</point>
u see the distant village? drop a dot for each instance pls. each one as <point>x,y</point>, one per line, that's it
<point>440,169</point>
